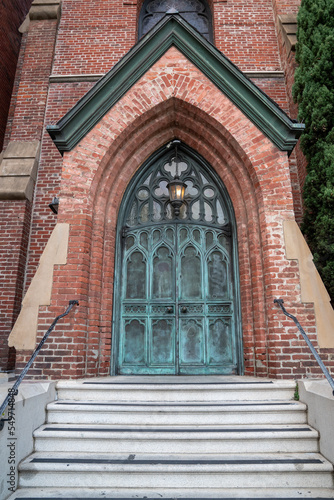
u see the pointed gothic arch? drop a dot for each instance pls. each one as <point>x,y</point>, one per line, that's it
<point>177,299</point>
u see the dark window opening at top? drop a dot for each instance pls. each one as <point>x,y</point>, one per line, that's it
<point>196,12</point>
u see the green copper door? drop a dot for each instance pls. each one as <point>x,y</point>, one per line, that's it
<point>176,287</point>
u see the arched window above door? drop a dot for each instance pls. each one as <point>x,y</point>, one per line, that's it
<point>196,12</point>
<point>150,201</point>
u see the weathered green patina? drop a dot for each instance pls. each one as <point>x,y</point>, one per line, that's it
<point>176,282</point>
<point>173,30</point>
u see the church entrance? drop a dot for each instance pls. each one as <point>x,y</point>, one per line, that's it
<point>177,285</point>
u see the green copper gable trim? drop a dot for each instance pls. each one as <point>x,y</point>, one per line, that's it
<point>172,30</point>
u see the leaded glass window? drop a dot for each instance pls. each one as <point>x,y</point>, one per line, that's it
<point>150,204</point>
<point>196,12</point>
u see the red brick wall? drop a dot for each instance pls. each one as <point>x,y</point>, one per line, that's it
<point>16,87</point>
<point>257,178</point>
<point>275,88</point>
<point>21,219</point>
<point>12,14</point>
<point>61,97</point>
<point>28,121</point>
<point>298,162</point>
<point>93,35</point>
<point>90,39</point>
<point>14,237</point>
<point>245,32</point>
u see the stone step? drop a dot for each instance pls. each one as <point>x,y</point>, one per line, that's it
<point>197,438</point>
<point>202,472</point>
<point>160,413</point>
<point>186,389</point>
<point>176,439</point>
<point>171,494</point>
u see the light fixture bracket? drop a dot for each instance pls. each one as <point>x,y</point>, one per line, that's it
<point>54,205</point>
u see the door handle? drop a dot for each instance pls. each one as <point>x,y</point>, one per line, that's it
<point>169,310</point>
<point>184,309</point>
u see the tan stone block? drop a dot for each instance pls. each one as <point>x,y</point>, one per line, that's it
<point>288,19</point>
<point>18,167</point>
<point>55,252</point>
<point>291,42</point>
<point>22,149</point>
<point>16,188</point>
<point>25,25</point>
<point>44,9</point>
<point>18,170</point>
<point>24,332</point>
<point>312,288</point>
<point>291,29</point>
<point>23,335</point>
<point>288,28</point>
<point>46,2</point>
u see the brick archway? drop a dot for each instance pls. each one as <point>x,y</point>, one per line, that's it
<point>240,175</point>
<point>95,176</point>
<point>197,239</point>
<point>173,99</point>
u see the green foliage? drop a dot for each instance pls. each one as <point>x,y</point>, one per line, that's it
<point>296,393</point>
<point>314,92</point>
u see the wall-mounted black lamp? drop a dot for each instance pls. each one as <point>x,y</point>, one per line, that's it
<point>54,205</point>
<point>176,187</point>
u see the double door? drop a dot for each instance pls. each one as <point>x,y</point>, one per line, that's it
<point>177,311</point>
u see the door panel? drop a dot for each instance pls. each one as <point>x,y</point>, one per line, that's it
<point>205,302</point>
<point>191,342</point>
<point>220,345</point>
<point>136,276</point>
<point>134,342</point>
<point>191,273</point>
<point>163,274</point>
<point>151,303</point>
<point>162,346</point>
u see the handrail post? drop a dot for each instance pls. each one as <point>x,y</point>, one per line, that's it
<point>13,390</point>
<point>280,302</point>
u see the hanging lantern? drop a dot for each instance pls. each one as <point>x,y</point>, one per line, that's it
<point>176,190</point>
<point>176,187</point>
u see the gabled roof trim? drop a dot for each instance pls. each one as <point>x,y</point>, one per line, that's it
<point>173,30</point>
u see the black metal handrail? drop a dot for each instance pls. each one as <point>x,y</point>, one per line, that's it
<point>280,302</point>
<point>13,390</point>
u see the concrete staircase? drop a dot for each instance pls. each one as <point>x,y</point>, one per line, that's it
<point>175,437</point>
